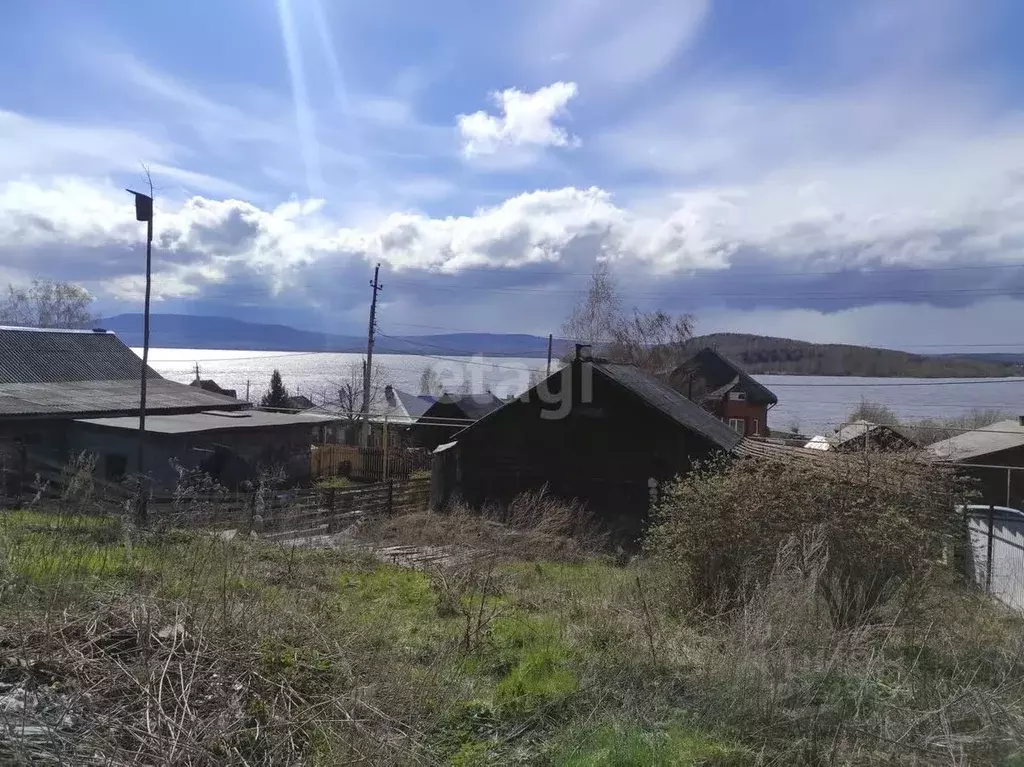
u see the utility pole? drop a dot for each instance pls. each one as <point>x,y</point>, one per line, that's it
<point>551,339</point>
<point>144,212</point>
<point>368,365</point>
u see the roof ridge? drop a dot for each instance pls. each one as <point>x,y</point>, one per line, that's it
<point>28,329</point>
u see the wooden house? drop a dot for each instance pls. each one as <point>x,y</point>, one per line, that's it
<point>597,432</point>
<point>725,390</point>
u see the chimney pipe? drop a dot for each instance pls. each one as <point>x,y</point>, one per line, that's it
<point>583,352</point>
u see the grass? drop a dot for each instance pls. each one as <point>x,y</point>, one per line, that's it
<point>335,483</point>
<point>185,648</point>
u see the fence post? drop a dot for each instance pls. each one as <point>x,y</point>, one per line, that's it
<point>391,497</point>
<point>988,552</point>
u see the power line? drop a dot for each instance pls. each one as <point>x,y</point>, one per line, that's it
<point>450,350</point>
<point>679,295</point>
<point>848,270</point>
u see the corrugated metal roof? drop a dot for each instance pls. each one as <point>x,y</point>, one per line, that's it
<point>995,438</point>
<point>32,355</point>
<point>82,398</point>
<point>405,411</point>
<point>671,403</point>
<point>188,423</point>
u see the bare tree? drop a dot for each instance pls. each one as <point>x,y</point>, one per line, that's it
<point>47,304</point>
<point>350,392</point>
<point>594,319</point>
<point>654,341</point>
<point>430,382</point>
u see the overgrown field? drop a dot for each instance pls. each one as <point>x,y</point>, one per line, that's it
<point>123,647</point>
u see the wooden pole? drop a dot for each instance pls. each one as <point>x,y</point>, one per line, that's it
<point>144,212</point>
<point>385,443</point>
<point>988,549</point>
<point>551,339</point>
<point>368,364</point>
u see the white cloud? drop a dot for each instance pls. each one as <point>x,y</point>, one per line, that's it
<point>526,122</point>
<point>611,43</point>
<point>901,210</point>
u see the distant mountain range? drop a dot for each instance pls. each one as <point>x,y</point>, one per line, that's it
<point>185,331</point>
<point>765,354</point>
<point>758,354</point>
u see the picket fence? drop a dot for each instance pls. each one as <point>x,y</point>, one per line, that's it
<point>368,464</point>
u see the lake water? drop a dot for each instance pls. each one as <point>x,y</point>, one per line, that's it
<point>814,403</point>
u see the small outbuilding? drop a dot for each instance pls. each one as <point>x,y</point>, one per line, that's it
<point>993,455</point>
<point>864,435</point>
<point>230,446</point>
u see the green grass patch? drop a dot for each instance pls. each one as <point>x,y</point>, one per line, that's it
<point>335,483</point>
<point>316,656</point>
<point>616,744</point>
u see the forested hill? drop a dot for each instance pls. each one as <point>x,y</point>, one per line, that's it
<point>764,354</point>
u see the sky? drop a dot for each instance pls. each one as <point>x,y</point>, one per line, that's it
<point>844,171</point>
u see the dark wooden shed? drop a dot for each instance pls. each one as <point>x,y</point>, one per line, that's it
<point>449,415</point>
<point>594,431</point>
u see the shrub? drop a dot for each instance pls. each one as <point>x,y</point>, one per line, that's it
<point>881,520</point>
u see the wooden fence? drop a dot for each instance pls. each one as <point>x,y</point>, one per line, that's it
<point>368,464</point>
<point>296,513</point>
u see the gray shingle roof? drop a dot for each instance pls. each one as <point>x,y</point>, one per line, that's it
<point>995,438</point>
<point>30,355</point>
<point>83,398</point>
<point>671,403</point>
<point>67,373</point>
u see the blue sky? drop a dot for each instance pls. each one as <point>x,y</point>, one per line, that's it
<point>844,171</point>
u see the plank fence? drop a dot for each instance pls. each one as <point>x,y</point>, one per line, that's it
<point>368,464</point>
<point>296,513</point>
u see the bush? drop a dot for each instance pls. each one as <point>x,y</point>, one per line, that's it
<point>880,520</point>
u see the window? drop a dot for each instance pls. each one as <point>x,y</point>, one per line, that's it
<point>739,396</point>
<point>736,424</point>
<point>754,426</point>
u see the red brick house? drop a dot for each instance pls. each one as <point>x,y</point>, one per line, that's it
<point>725,390</point>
